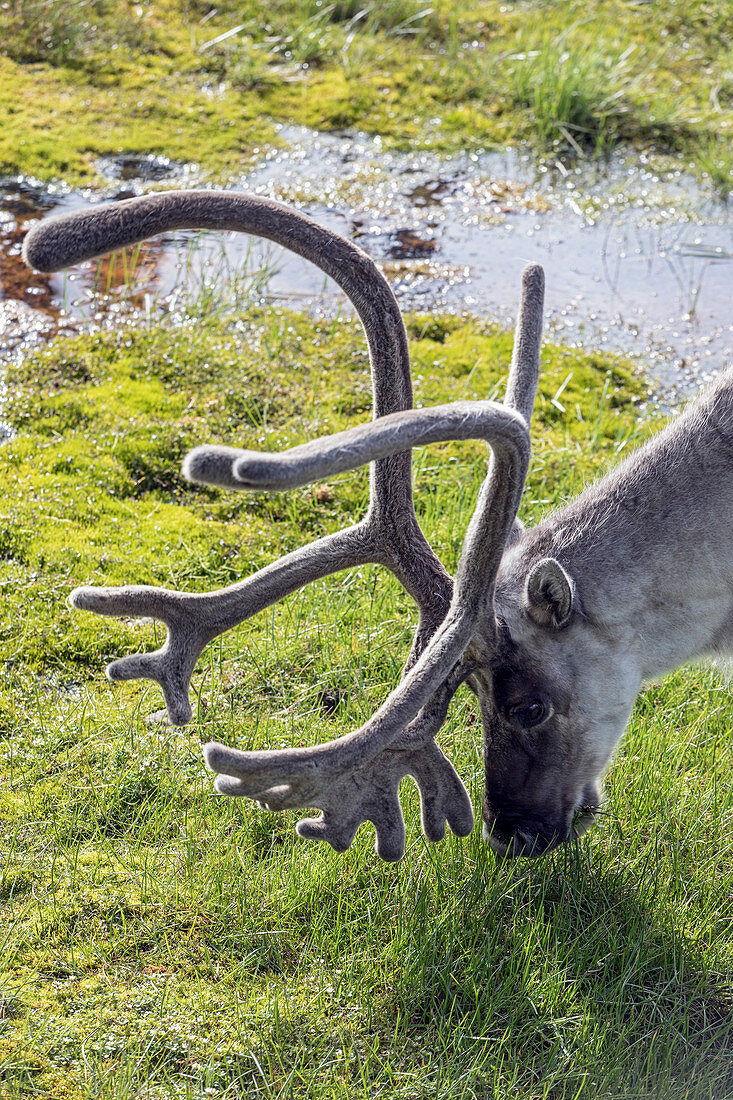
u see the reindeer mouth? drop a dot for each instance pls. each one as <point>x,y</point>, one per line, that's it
<point>525,845</point>
<point>518,842</point>
<point>530,845</point>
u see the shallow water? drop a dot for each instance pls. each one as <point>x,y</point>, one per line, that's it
<point>636,260</point>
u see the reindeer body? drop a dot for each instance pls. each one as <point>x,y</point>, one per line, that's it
<point>554,628</point>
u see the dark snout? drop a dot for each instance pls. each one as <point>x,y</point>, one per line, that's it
<point>515,833</point>
<point>512,830</point>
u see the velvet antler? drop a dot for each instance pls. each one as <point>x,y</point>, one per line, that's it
<point>356,777</point>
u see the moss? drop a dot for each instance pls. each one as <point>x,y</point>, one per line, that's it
<point>103,422</point>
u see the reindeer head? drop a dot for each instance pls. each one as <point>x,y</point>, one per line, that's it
<point>556,686</point>
<point>464,631</point>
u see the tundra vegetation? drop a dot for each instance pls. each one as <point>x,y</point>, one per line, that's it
<point>160,942</point>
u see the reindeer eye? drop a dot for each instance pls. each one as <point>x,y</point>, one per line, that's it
<point>529,714</point>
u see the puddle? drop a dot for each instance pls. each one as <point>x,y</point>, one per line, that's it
<point>635,261</point>
<point>137,167</point>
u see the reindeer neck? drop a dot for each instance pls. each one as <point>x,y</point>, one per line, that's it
<point>649,545</point>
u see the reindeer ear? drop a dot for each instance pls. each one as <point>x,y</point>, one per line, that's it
<point>549,594</point>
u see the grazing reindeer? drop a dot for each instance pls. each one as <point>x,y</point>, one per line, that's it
<point>554,628</point>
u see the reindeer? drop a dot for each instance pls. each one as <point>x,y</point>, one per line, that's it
<point>554,628</point>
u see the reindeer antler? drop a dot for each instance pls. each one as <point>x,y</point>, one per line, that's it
<point>356,777</point>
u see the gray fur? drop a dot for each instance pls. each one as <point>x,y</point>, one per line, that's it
<point>356,777</point>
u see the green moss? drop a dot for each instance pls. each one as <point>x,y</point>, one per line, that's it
<point>104,421</point>
<point>158,941</point>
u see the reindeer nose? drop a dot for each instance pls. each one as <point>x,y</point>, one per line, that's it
<point>511,833</point>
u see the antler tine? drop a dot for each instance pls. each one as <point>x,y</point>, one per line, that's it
<point>525,367</point>
<point>486,538</point>
<point>370,792</point>
<point>346,450</point>
<point>194,619</point>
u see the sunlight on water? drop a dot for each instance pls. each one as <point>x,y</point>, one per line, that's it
<point>636,260</point>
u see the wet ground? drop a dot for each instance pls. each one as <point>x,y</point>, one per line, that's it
<point>636,260</point>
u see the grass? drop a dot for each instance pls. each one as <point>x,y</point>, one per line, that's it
<point>583,96</point>
<point>159,942</point>
<point>209,85</point>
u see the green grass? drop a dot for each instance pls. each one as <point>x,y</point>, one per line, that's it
<point>159,942</point>
<point>209,85</point>
<point>584,96</point>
